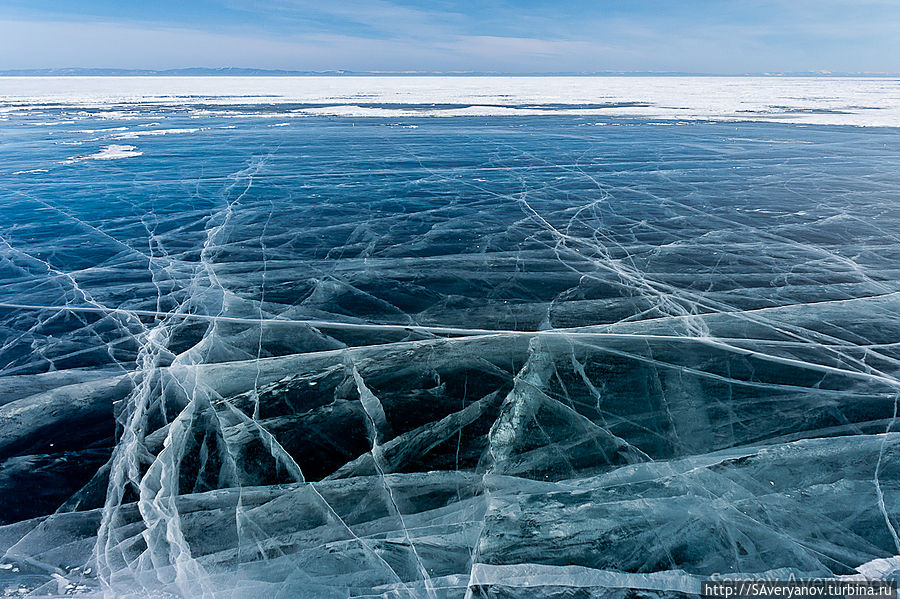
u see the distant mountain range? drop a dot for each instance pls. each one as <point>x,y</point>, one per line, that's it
<point>246,72</point>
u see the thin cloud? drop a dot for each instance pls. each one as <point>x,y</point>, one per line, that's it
<point>490,35</point>
<point>378,16</point>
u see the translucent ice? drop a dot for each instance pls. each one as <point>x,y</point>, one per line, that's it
<point>469,357</point>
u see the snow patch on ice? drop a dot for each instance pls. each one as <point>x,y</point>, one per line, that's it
<point>105,130</point>
<point>111,152</point>
<point>878,569</point>
<point>152,132</point>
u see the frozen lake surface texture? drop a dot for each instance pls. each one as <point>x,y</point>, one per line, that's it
<point>446,338</point>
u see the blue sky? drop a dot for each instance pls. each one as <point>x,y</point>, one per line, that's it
<point>702,36</point>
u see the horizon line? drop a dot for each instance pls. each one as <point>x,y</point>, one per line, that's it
<point>261,72</point>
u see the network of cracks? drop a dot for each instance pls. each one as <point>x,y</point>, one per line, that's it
<point>487,358</point>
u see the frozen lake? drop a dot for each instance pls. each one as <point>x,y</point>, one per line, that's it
<point>811,100</point>
<point>299,338</point>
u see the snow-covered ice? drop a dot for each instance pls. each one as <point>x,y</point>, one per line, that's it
<point>811,100</point>
<point>110,152</point>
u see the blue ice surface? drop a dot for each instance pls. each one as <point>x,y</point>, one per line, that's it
<point>444,357</point>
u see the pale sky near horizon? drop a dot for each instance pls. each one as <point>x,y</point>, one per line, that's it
<point>515,36</point>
